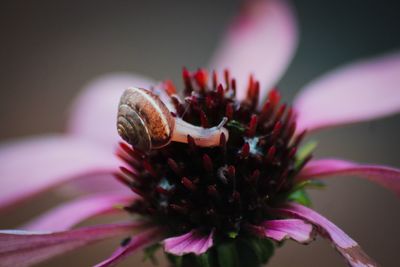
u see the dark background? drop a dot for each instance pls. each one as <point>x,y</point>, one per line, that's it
<point>50,49</point>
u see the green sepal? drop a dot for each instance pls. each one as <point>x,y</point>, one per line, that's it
<point>263,249</point>
<point>314,184</point>
<point>227,255</point>
<point>236,125</point>
<point>203,260</point>
<point>191,260</point>
<point>233,234</point>
<point>149,253</point>
<point>300,196</point>
<point>176,261</point>
<point>239,252</point>
<point>305,151</point>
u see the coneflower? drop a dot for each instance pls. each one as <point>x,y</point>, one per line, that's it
<point>224,182</point>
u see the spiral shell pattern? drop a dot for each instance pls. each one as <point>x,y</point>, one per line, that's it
<point>143,119</point>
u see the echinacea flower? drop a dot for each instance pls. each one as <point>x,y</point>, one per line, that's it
<point>219,204</point>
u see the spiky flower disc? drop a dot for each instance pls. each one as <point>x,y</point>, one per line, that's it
<point>223,188</point>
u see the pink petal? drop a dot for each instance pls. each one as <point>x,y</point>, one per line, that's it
<point>94,113</point>
<point>31,166</point>
<point>280,230</point>
<point>25,248</point>
<point>385,176</point>
<point>136,242</point>
<point>192,242</point>
<point>361,91</point>
<point>261,41</point>
<point>70,214</point>
<point>96,184</point>
<point>346,246</point>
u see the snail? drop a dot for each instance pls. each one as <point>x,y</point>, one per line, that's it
<point>145,122</point>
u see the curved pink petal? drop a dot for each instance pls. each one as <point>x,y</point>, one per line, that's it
<point>361,91</point>
<point>94,113</point>
<point>280,230</point>
<point>142,240</point>
<point>31,166</point>
<point>96,184</point>
<point>349,248</point>
<point>385,176</point>
<point>70,214</point>
<point>25,248</point>
<point>261,41</point>
<point>192,242</point>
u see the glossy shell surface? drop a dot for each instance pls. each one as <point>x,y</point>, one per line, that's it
<point>143,120</point>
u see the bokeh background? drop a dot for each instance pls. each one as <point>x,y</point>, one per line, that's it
<point>49,50</point>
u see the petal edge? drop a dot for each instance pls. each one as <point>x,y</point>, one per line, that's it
<point>361,91</point>
<point>280,230</point>
<point>191,242</point>
<point>346,246</point>
<point>33,165</point>
<point>387,177</point>
<point>93,114</point>
<point>136,242</point>
<point>261,41</point>
<point>71,213</point>
<point>25,248</point>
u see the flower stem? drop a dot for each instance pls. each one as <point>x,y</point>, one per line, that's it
<point>235,253</point>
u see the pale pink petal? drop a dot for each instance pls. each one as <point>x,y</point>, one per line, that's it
<point>136,242</point>
<point>261,41</point>
<point>324,168</point>
<point>95,184</point>
<point>25,248</point>
<point>192,242</point>
<point>94,113</point>
<point>361,91</point>
<point>30,166</point>
<point>349,249</point>
<point>280,230</point>
<point>70,214</point>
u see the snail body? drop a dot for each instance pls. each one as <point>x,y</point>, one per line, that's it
<point>145,122</point>
<point>205,137</point>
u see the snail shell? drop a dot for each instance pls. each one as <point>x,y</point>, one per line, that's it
<point>143,120</point>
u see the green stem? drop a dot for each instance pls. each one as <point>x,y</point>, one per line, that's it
<point>235,253</point>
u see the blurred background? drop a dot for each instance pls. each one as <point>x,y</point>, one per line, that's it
<point>50,49</point>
